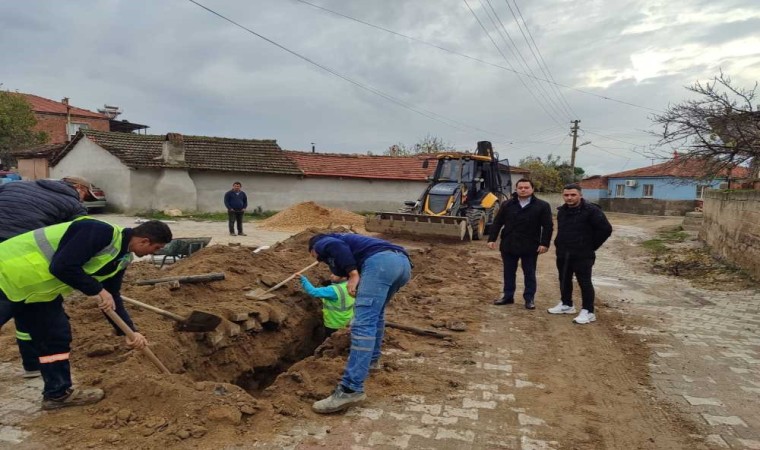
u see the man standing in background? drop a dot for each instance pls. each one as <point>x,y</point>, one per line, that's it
<point>236,203</point>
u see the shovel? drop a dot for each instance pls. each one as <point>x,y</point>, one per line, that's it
<point>261,294</point>
<point>198,321</point>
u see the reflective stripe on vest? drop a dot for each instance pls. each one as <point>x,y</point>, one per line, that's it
<point>21,336</point>
<point>25,263</point>
<point>54,358</point>
<point>338,315</point>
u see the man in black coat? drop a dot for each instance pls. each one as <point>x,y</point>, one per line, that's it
<point>527,232</point>
<point>582,228</point>
<point>26,206</point>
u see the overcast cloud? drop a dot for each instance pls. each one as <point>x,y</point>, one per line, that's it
<point>176,67</point>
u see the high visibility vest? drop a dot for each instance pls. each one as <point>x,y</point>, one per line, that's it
<point>25,263</point>
<point>338,313</point>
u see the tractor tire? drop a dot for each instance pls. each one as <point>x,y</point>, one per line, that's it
<point>477,219</point>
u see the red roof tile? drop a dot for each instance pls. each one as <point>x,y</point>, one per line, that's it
<point>595,182</point>
<point>46,106</point>
<point>201,152</point>
<point>365,166</point>
<point>680,168</point>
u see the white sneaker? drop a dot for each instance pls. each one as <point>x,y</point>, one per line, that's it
<point>562,309</point>
<point>585,317</point>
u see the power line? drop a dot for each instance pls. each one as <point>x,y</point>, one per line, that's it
<point>510,64</point>
<point>473,58</point>
<point>423,112</point>
<point>540,58</point>
<point>512,46</point>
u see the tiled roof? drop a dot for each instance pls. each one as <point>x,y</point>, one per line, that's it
<point>201,152</point>
<point>40,151</point>
<point>679,168</point>
<point>47,106</point>
<point>595,182</point>
<point>361,166</point>
<point>365,166</point>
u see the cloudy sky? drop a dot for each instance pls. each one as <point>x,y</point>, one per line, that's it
<point>177,67</point>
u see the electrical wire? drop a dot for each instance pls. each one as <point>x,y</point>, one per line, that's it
<point>540,59</point>
<point>423,112</point>
<point>510,64</point>
<point>473,58</point>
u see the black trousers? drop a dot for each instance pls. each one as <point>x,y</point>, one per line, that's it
<point>235,217</point>
<point>567,266</point>
<point>529,262</point>
<point>48,326</point>
<point>29,358</point>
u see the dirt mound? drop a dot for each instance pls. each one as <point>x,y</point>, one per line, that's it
<point>309,214</point>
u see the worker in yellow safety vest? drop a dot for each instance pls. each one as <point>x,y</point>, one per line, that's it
<point>337,303</point>
<point>38,267</point>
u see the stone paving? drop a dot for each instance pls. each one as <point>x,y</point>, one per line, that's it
<point>469,416</point>
<point>705,344</point>
<point>19,402</point>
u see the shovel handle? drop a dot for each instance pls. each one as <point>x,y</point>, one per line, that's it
<point>281,283</point>
<point>163,312</point>
<point>131,335</point>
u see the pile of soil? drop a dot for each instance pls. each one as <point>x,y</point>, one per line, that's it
<point>246,386</point>
<point>702,268</point>
<point>309,214</point>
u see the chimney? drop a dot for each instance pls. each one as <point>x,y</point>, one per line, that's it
<point>313,148</point>
<point>173,151</point>
<point>65,101</point>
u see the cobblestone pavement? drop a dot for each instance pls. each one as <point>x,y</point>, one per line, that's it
<point>19,402</point>
<point>706,345</point>
<point>478,412</point>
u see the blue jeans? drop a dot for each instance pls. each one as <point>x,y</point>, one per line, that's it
<point>529,273</point>
<point>382,275</point>
<point>29,358</point>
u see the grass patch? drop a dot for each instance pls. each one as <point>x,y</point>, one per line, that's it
<point>211,217</point>
<point>664,237</point>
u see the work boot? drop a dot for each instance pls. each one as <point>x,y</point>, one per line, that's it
<point>338,401</point>
<point>242,234</point>
<point>530,304</point>
<point>232,234</point>
<point>504,301</point>
<point>74,397</point>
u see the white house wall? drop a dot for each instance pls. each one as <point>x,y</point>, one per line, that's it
<point>92,162</point>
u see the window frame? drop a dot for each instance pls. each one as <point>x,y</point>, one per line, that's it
<point>620,193</point>
<point>644,191</point>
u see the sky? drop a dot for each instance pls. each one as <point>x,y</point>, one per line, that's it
<point>513,72</point>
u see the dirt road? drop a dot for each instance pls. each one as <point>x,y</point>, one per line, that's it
<point>639,377</point>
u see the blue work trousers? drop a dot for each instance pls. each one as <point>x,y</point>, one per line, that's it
<point>24,341</point>
<point>382,275</point>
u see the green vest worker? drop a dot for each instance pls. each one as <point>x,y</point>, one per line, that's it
<point>38,267</point>
<point>337,304</point>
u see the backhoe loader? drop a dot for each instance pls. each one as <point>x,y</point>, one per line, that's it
<point>460,201</point>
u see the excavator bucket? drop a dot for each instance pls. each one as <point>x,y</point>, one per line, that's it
<point>418,225</point>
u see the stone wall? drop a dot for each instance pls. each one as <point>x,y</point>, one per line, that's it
<point>647,206</point>
<point>731,228</point>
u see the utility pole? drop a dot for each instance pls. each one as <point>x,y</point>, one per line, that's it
<point>574,130</point>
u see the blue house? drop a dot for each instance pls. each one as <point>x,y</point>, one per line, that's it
<point>674,187</point>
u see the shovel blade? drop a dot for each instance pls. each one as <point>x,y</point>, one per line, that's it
<point>259,294</point>
<point>199,321</point>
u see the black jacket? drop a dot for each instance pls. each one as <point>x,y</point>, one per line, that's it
<point>28,205</point>
<point>525,229</point>
<point>581,230</point>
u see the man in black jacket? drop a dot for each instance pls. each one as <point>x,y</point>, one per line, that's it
<point>26,206</point>
<point>527,232</point>
<point>582,228</point>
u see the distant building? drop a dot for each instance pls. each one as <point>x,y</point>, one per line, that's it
<point>671,188</point>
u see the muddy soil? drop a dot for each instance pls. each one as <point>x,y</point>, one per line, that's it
<point>248,385</point>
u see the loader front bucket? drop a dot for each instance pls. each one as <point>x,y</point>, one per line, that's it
<point>418,225</point>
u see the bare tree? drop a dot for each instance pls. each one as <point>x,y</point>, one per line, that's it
<point>428,144</point>
<point>721,127</point>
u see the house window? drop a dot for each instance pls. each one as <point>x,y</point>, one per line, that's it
<point>620,190</point>
<point>648,191</point>
<point>701,191</point>
<point>75,127</point>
